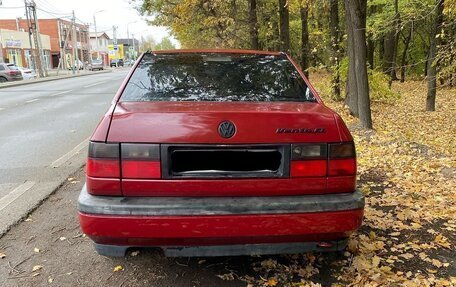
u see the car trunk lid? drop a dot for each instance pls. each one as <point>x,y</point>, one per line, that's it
<point>198,122</point>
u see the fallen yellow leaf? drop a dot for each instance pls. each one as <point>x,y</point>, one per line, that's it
<point>375,261</point>
<point>272,282</point>
<point>226,277</point>
<point>437,263</point>
<point>118,268</point>
<point>37,267</point>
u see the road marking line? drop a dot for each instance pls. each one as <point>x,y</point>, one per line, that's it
<point>15,194</point>
<point>88,86</point>
<point>31,101</point>
<point>61,93</point>
<point>61,160</point>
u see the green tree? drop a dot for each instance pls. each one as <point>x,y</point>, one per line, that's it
<point>165,44</point>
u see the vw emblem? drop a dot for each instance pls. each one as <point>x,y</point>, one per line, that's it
<point>226,129</point>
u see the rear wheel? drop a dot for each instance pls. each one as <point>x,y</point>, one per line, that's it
<point>3,80</point>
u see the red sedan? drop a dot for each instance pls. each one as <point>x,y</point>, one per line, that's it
<point>219,152</point>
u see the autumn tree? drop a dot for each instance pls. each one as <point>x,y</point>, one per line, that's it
<point>284,25</point>
<point>253,25</point>
<point>334,27</point>
<point>432,67</point>
<point>357,84</point>
<point>305,45</point>
<point>398,36</point>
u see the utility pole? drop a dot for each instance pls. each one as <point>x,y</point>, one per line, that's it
<point>75,46</point>
<point>134,51</point>
<point>30,12</point>
<point>114,41</point>
<point>62,61</point>
<point>114,35</point>
<point>128,41</point>
<point>96,36</point>
<point>40,44</point>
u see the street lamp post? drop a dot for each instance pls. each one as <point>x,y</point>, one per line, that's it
<point>96,33</point>
<point>128,36</point>
<point>134,50</point>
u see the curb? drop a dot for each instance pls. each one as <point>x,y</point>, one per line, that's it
<point>52,78</point>
<point>5,228</point>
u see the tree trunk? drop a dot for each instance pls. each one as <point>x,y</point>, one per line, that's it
<point>370,40</point>
<point>305,39</point>
<point>397,21</point>
<point>388,52</point>
<point>277,46</point>
<point>253,25</point>
<point>284,16</point>
<point>404,53</point>
<point>370,51</point>
<point>355,15</point>
<point>432,65</point>
<point>351,95</point>
<point>335,45</point>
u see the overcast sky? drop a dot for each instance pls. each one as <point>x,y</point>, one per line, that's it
<point>115,12</point>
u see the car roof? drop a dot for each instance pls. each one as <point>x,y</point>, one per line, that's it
<point>219,51</point>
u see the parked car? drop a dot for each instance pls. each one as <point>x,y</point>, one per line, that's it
<point>215,153</point>
<point>129,62</point>
<point>95,65</point>
<point>9,72</point>
<point>27,73</point>
<point>78,64</point>
<point>116,63</point>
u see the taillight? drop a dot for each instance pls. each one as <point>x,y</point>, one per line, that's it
<point>104,160</point>
<point>141,161</point>
<point>341,167</point>
<point>103,169</point>
<point>308,160</point>
<point>335,161</point>
<point>109,163</point>
<point>342,159</point>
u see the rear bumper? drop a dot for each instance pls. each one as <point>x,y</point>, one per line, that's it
<point>171,222</point>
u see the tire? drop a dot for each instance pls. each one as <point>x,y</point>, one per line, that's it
<point>3,80</point>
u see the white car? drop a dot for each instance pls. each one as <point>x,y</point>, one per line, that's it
<point>27,73</point>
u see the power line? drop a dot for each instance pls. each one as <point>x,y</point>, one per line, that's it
<point>3,7</point>
<point>54,14</point>
<point>48,6</point>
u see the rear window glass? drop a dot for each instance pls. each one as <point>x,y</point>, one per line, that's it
<point>12,67</point>
<point>216,77</point>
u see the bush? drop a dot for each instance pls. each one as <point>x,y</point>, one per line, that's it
<point>378,83</point>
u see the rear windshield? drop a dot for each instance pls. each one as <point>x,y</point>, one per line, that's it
<point>216,77</point>
<point>12,67</point>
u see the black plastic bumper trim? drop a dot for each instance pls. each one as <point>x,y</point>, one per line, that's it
<point>182,206</point>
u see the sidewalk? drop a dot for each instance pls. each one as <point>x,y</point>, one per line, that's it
<point>48,249</point>
<point>55,75</point>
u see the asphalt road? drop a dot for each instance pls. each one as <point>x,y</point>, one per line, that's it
<point>44,129</point>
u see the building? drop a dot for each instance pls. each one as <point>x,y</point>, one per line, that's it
<point>100,50</point>
<point>130,46</point>
<point>15,48</point>
<point>60,32</point>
